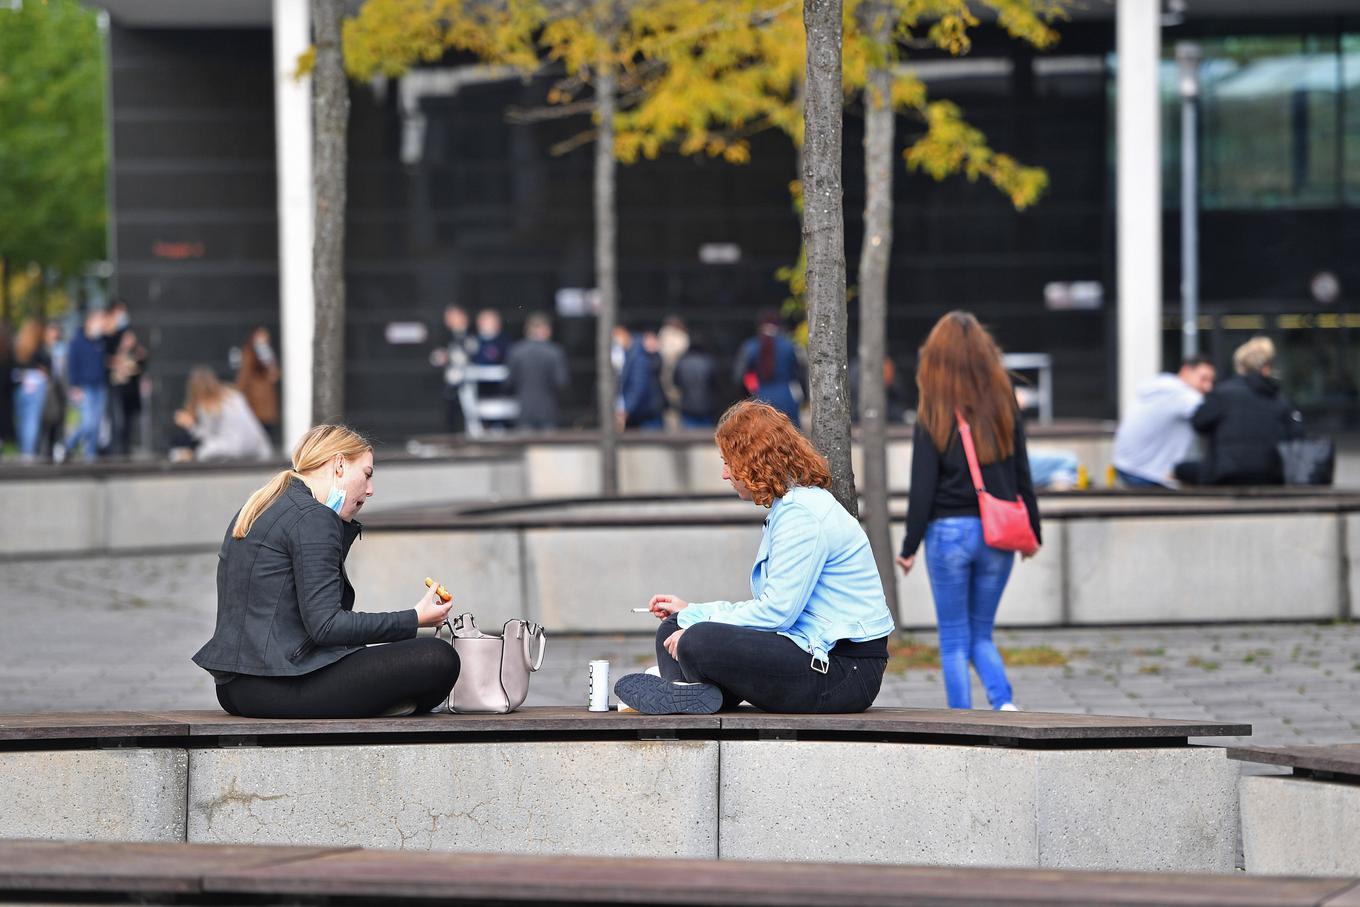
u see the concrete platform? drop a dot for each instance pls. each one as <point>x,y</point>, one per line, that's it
<point>1307,824</point>
<point>1036,790</point>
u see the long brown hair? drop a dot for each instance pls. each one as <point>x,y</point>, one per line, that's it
<point>319,445</point>
<point>766,453</point>
<point>961,369</point>
<point>27,343</point>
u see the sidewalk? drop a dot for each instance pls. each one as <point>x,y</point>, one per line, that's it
<point>117,634</point>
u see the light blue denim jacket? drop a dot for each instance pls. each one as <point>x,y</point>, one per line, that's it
<point>814,580</point>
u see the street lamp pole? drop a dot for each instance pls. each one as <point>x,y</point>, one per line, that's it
<point>1188,57</point>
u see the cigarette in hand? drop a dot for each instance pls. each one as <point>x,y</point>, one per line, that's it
<point>642,610</point>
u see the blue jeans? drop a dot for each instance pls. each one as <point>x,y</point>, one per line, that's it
<point>1129,480</point>
<point>29,397</point>
<point>695,421</point>
<point>967,578</point>
<point>91,417</point>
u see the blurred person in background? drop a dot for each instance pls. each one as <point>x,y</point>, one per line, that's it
<point>454,357</point>
<point>1156,434</point>
<point>696,385</point>
<point>672,341</point>
<point>768,366</point>
<point>88,371</point>
<point>126,367</point>
<point>492,348</point>
<point>960,372</point>
<point>54,408</point>
<point>641,402</point>
<point>7,384</point>
<point>219,419</point>
<point>32,374</point>
<point>538,373</point>
<point>258,381</point>
<point>1244,419</point>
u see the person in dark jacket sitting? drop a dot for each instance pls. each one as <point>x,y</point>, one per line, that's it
<point>1244,419</point>
<point>288,643</point>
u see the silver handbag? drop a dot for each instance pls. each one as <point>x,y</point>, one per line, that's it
<point>493,673</point>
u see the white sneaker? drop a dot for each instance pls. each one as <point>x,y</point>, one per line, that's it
<point>1009,707</point>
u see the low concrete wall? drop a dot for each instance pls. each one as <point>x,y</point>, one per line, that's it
<point>144,510</point>
<point>1300,826</point>
<point>94,795</point>
<point>1134,809</point>
<point>1111,568</point>
<point>1162,809</point>
<point>603,798</point>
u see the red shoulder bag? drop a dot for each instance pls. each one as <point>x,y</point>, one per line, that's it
<point>1005,524</point>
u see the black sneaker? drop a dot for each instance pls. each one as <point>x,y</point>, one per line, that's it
<point>651,695</point>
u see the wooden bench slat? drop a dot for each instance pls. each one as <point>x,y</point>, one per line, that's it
<point>1339,758</point>
<point>1029,726</point>
<point>67,725</point>
<point>980,722</point>
<point>591,880</point>
<point>27,865</point>
<point>56,866</point>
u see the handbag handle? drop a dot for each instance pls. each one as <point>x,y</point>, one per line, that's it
<point>528,633</point>
<point>966,436</point>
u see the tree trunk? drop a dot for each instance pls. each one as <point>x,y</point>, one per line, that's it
<point>606,276</point>
<point>824,237</point>
<point>873,295</point>
<point>330,99</point>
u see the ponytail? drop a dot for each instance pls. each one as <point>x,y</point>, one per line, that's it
<point>318,446</point>
<point>261,501</point>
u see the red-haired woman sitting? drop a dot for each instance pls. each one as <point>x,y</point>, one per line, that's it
<point>812,637</point>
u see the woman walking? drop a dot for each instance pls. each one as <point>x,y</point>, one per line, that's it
<point>961,380</point>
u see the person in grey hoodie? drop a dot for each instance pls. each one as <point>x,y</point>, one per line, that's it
<point>1156,434</point>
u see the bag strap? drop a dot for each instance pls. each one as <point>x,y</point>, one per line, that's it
<point>966,436</point>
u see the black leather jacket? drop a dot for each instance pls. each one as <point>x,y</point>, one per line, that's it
<point>284,603</point>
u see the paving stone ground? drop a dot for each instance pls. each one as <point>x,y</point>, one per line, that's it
<point>108,633</point>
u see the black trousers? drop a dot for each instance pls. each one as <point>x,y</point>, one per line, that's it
<point>363,684</point>
<point>767,670</point>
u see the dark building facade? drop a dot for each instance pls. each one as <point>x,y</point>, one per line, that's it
<point>485,215</point>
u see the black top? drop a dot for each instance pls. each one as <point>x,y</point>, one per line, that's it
<point>1245,418</point>
<point>870,648</point>
<point>284,603</point>
<point>942,487</point>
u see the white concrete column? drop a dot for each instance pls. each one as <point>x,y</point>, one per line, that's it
<point>293,148</point>
<point>1139,193</point>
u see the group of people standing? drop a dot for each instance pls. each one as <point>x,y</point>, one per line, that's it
<point>671,378</point>
<point>98,371</point>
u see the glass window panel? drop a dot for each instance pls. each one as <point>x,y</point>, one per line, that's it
<point>1350,114</point>
<point>1269,122</point>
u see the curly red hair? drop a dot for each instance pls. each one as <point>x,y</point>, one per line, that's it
<point>766,453</point>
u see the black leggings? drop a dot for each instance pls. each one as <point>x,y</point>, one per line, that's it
<point>767,670</point>
<point>363,684</point>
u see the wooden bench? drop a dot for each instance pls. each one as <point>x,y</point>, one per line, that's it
<point>186,873</point>
<point>1307,823</point>
<point>927,786</point>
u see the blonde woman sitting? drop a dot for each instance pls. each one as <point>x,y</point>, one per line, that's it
<point>220,420</point>
<point>288,642</point>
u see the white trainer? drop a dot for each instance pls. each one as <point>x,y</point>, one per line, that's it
<point>1009,707</point>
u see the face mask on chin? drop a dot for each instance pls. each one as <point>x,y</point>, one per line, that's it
<point>336,499</point>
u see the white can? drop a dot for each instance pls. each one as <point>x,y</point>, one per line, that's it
<point>598,673</point>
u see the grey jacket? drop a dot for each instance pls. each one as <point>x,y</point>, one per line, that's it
<point>284,603</point>
<point>538,371</point>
